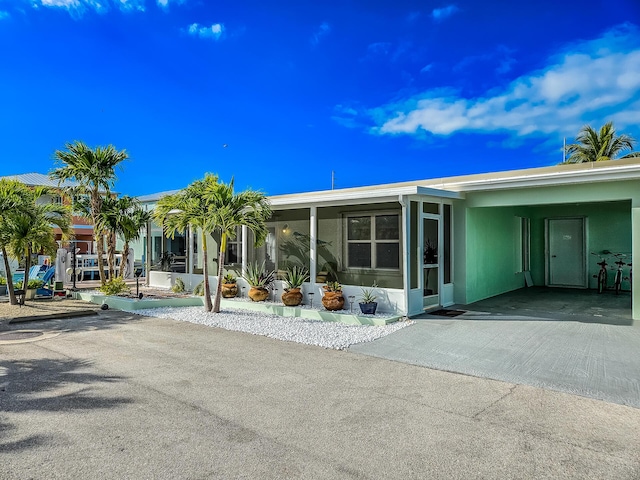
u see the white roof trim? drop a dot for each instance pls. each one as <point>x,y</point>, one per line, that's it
<point>342,196</point>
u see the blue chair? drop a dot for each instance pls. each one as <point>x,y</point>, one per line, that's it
<point>33,274</point>
<point>47,277</point>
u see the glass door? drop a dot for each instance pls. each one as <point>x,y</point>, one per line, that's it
<point>430,264</point>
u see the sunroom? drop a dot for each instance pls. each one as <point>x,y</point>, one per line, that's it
<point>398,239</point>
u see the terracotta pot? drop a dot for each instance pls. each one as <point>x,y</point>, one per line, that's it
<point>333,300</point>
<point>292,298</point>
<point>229,290</point>
<point>258,294</point>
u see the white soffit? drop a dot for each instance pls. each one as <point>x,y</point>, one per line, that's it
<point>358,196</point>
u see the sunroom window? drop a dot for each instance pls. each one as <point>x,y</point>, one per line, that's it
<point>373,241</point>
<point>233,255</point>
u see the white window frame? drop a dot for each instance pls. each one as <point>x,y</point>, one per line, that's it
<point>372,240</point>
<point>238,242</point>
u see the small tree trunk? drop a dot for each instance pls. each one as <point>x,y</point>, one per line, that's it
<point>125,258</point>
<point>223,250</point>
<point>111,254</point>
<point>100,252</point>
<point>7,268</point>
<point>27,267</point>
<point>205,271</point>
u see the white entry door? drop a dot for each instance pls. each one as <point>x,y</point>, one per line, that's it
<point>566,252</point>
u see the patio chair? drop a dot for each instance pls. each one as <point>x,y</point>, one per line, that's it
<point>46,289</point>
<point>33,274</point>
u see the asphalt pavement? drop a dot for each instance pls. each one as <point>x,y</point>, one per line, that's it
<point>121,396</point>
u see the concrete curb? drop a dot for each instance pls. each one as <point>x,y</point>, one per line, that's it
<point>53,316</point>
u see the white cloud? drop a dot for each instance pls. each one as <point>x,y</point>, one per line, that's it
<point>214,32</point>
<point>4,15</point>
<point>322,31</point>
<point>426,68</point>
<point>77,8</point>
<point>164,4</point>
<point>440,14</point>
<point>589,82</point>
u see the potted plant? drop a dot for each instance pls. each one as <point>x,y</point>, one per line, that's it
<point>229,286</point>
<point>32,287</point>
<point>293,280</point>
<point>3,285</point>
<point>368,305</point>
<point>259,280</point>
<point>332,298</point>
<point>430,252</point>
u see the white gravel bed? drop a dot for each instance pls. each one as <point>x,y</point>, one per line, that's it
<point>333,335</point>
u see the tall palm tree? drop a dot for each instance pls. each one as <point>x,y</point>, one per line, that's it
<point>136,221</point>
<point>94,172</point>
<point>598,146</point>
<point>232,210</point>
<point>213,207</point>
<point>123,217</point>
<point>31,230</point>
<point>14,198</point>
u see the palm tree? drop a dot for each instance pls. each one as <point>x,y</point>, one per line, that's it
<point>593,146</point>
<point>14,198</point>
<point>30,230</point>
<point>94,172</point>
<point>137,221</point>
<point>122,217</point>
<point>232,210</point>
<point>213,207</point>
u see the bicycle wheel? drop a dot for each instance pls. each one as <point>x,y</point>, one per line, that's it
<point>602,281</point>
<point>618,281</point>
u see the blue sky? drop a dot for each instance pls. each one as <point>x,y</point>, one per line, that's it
<point>279,94</point>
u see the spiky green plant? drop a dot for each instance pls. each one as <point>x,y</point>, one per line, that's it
<point>258,276</point>
<point>295,276</point>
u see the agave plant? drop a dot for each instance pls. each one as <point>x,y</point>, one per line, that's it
<point>258,277</point>
<point>368,296</point>
<point>294,277</point>
<point>229,278</point>
<point>332,287</point>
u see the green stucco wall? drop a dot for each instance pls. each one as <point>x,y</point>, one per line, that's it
<point>490,263</point>
<point>490,234</point>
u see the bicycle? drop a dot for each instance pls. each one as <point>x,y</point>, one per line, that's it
<point>617,279</point>
<point>602,274</point>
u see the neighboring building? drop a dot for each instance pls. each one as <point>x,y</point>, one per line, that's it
<point>441,241</point>
<point>82,228</point>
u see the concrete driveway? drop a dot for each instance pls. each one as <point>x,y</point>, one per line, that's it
<point>573,341</point>
<point>120,396</point>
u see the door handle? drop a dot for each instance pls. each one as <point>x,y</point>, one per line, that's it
<point>553,256</point>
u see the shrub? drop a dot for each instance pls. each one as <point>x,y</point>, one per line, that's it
<point>258,277</point>
<point>332,287</point>
<point>114,287</point>
<point>33,284</point>
<point>3,280</point>
<point>199,290</point>
<point>178,287</point>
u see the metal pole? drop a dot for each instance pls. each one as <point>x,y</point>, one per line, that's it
<point>73,242</point>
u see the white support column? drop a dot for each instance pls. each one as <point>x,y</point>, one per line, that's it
<point>189,268</point>
<point>147,258</point>
<point>313,240</point>
<point>635,255</point>
<point>406,248</point>
<point>245,248</point>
